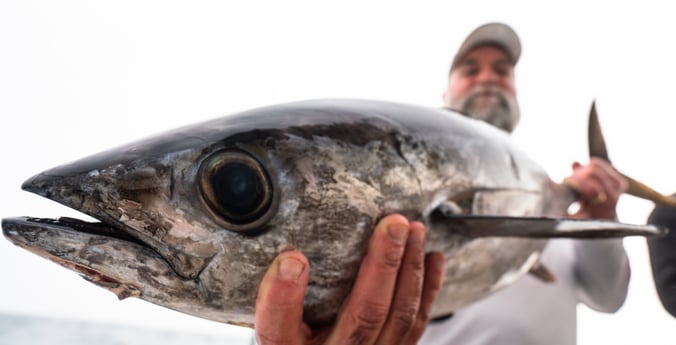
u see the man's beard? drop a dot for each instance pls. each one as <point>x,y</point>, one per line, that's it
<point>490,104</point>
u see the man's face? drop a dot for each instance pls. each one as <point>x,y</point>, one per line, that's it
<point>482,85</point>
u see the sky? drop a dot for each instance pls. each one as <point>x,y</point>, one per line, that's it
<point>79,77</point>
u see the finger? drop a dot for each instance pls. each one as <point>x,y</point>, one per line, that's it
<point>584,181</point>
<point>599,187</point>
<point>602,191</point>
<point>434,277</point>
<point>572,181</point>
<point>279,305</point>
<point>591,197</point>
<point>582,184</point>
<point>612,181</point>
<point>406,301</point>
<point>366,308</point>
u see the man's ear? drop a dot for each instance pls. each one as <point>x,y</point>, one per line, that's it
<point>445,99</point>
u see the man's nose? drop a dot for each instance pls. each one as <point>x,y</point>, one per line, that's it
<point>487,76</point>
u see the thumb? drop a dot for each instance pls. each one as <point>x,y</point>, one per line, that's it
<point>279,306</point>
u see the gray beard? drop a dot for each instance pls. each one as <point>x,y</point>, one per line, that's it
<point>501,110</point>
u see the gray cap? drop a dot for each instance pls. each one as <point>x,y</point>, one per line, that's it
<point>497,34</point>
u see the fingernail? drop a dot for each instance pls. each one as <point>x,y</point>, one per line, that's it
<point>398,232</point>
<point>417,236</point>
<point>290,268</point>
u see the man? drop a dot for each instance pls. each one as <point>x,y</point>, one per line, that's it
<point>481,85</point>
<point>481,80</point>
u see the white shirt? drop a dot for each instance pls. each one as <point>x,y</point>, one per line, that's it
<point>530,311</point>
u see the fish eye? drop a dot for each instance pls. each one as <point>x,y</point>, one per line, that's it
<point>236,187</point>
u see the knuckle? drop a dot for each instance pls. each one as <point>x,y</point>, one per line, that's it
<point>358,338</point>
<point>424,314</point>
<point>416,263</point>
<point>370,317</point>
<point>414,274</point>
<point>264,339</point>
<point>405,316</point>
<point>423,319</point>
<point>391,259</point>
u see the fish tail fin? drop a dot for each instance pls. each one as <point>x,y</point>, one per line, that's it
<point>597,148</point>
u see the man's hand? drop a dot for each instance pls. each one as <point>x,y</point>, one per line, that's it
<point>390,302</point>
<point>599,186</point>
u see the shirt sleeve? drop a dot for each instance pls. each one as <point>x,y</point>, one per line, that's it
<point>602,274</point>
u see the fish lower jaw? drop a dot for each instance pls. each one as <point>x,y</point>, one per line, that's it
<point>80,247</point>
<point>120,289</point>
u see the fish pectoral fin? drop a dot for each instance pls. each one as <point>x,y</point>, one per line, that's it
<point>538,227</point>
<point>540,271</point>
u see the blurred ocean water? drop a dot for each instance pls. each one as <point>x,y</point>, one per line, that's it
<point>27,330</point>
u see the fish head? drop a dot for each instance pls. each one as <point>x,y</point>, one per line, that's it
<point>191,219</point>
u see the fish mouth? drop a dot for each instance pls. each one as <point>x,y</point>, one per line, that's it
<point>94,250</point>
<point>74,224</point>
<point>115,195</point>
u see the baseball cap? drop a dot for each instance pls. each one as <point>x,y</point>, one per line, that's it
<point>497,34</point>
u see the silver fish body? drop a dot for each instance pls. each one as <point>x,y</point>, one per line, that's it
<point>192,218</point>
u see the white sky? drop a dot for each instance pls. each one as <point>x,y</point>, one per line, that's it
<point>78,77</point>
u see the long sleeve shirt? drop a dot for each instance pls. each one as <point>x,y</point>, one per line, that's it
<point>531,311</point>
